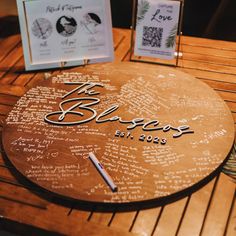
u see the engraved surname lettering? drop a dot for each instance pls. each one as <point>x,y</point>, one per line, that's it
<point>107,112</point>
<point>80,107</point>
<point>63,113</point>
<point>85,87</point>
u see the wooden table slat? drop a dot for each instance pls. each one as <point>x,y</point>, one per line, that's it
<point>234,117</point>
<point>213,55</point>
<point>101,218</point>
<point>210,75</point>
<point>2,120</point>
<point>23,79</point>
<point>146,220</point>
<point>220,85</point>
<point>13,57</point>
<point>79,214</point>
<point>204,66</point>
<point>124,47</point>
<point>8,44</point>
<point>209,43</point>
<point>5,173</point>
<point>174,212</point>
<point>14,194</point>
<point>13,90</point>
<point>232,106</point>
<point>210,211</point>
<point>117,38</point>
<point>231,227</point>
<point>228,96</point>
<point>35,80</point>
<point>217,215</point>
<point>4,109</point>
<point>51,219</point>
<point>123,220</point>
<point>8,99</point>
<point>13,73</point>
<point>196,211</point>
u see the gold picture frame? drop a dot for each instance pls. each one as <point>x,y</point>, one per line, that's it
<point>153,60</point>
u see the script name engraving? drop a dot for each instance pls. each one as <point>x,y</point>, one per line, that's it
<point>77,107</point>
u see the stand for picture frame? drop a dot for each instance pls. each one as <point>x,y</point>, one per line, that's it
<point>47,75</point>
<point>86,62</point>
<point>178,54</point>
<point>63,63</point>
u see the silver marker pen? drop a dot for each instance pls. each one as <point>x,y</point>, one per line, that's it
<point>103,172</point>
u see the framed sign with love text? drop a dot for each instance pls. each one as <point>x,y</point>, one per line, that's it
<point>60,33</point>
<point>156,31</point>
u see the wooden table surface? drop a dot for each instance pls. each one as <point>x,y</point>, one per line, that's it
<point>209,211</point>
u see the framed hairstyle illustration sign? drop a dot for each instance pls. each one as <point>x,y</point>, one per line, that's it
<point>156,25</point>
<point>60,33</point>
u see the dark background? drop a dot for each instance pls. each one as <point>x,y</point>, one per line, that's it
<point>214,19</point>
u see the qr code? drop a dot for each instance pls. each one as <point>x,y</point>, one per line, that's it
<point>152,36</point>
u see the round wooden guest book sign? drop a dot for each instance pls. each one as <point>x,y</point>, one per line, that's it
<point>151,133</point>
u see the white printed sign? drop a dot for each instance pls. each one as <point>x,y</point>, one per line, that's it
<point>156,28</point>
<point>67,32</point>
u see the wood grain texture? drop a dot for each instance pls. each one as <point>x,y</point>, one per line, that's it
<point>174,212</point>
<point>123,220</point>
<point>124,46</point>
<point>14,56</point>
<point>8,99</point>
<point>231,226</point>
<point>8,44</point>
<point>220,207</point>
<point>210,75</point>
<point>209,209</point>
<point>196,210</point>
<point>209,43</point>
<point>211,55</point>
<point>13,73</point>
<point>13,90</point>
<point>143,168</point>
<point>101,218</point>
<point>146,221</point>
<point>11,193</point>
<point>5,109</point>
